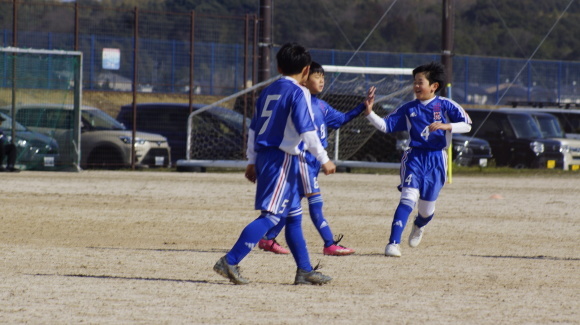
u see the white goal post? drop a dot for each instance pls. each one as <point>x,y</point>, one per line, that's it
<point>367,70</point>
<point>342,82</point>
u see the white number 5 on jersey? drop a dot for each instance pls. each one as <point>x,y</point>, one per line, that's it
<point>267,112</point>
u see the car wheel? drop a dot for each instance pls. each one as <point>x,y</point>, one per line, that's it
<point>105,158</point>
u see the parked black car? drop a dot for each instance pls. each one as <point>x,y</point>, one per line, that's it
<point>218,132</point>
<point>550,127</point>
<point>515,139</point>
<point>35,151</point>
<point>470,151</point>
<point>569,118</point>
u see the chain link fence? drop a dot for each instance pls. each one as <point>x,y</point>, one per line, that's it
<point>158,56</point>
<point>189,57</point>
<point>153,48</point>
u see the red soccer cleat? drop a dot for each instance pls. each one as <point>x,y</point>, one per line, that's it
<point>271,245</point>
<point>337,250</point>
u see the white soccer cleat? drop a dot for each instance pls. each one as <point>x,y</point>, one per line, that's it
<point>393,250</point>
<point>416,236</point>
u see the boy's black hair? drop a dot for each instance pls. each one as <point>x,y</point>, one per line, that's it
<point>292,58</point>
<point>315,67</point>
<point>434,72</point>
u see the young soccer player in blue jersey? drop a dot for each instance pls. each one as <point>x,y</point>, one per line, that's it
<point>325,117</point>
<point>430,120</point>
<point>282,126</point>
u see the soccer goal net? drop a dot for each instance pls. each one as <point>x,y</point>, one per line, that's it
<point>40,100</point>
<point>359,144</point>
<point>217,132</point>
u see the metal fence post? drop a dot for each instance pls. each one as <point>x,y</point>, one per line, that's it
<point>191,62</point>
<point>135,83</point>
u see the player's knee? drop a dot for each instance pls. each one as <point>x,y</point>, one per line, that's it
<point>426,208</point>
<point>295,212</point>
<point>312,194</point>
<point>315,199</point>
<point>409,196</point>
<point>272,218</point>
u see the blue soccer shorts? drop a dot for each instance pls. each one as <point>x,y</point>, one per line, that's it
<point>277,182</point>
<point>425,170</point>
<point>309,170</point>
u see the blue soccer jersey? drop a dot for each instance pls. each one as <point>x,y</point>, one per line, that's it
<point>283,112</point>
<point>326,117</point>
<point>415,118</point>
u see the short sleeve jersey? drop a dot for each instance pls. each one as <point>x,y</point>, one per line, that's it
<point>283,112</point>
<point>415,118</point>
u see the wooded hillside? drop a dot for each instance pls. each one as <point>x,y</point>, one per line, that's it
<point>482,27</point>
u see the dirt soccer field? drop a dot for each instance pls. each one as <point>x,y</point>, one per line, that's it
<point>139,247</point>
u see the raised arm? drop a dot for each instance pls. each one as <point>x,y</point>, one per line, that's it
<point>375,120</point>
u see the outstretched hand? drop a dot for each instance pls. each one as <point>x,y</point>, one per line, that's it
<point>370,100</point>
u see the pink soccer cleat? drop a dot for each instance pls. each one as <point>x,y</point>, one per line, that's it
<point>337,250</point>
<point>271,245</point>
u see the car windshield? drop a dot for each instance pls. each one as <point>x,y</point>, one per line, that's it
<point>7,124</point>
<point>570,122</point>
<point>524,126</point>
<point>549,126</point>
<point>100,120</point>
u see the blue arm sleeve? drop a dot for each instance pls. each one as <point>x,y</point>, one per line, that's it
<point>397,119</point>
<point>335,119</point>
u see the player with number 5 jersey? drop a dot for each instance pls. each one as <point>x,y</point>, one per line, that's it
<point>325,118</point>
<point>282,126</point>
<point>429,120</point>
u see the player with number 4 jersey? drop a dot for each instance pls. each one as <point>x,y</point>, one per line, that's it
<point>429,120</point>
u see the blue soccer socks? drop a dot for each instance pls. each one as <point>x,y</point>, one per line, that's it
<point>399,221</point>
<point>296,242</point>
<point>275,231</point>
<point>422,222</point>
<point>249,237</point>
<point>315,204</point>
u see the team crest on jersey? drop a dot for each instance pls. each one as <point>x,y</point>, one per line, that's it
<point>437,112</point>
